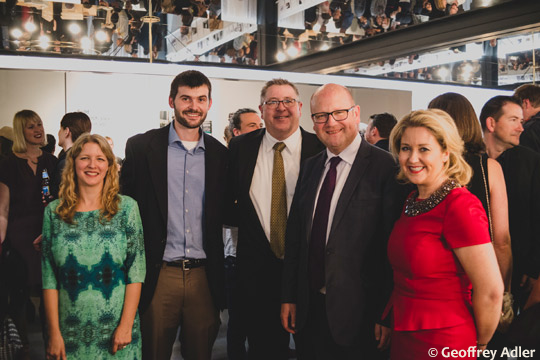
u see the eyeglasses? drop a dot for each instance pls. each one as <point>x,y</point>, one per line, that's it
<point>274,104</point>
<point>338,115</point>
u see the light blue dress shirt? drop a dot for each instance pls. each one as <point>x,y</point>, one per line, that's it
<point>185,186</point>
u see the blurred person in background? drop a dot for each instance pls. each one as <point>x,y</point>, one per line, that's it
<point>72,125</point>
<point>487,182</point>
<point>25,190</point>
<point>51,144</point>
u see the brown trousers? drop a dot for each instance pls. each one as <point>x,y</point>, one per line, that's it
<point>182,298</point>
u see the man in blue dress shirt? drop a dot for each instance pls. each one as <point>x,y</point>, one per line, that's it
<point>174,173</point>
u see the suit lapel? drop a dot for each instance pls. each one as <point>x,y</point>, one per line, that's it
<point>251,160</point>
<point>315,179</point>
<point>210,167</point>
<point>358,170</point>
<point>246,177</point>
<point>157,163</point>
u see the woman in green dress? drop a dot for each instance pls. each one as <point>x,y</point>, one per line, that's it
<point>93,260</point>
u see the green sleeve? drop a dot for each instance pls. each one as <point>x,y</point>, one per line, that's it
<point>135,260</point>
<point>48,266</point>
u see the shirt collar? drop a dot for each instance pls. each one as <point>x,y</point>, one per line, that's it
<point>348,154</point>
<point>291,143</point>
<point>173,138</point>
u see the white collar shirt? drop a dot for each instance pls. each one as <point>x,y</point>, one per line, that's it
<point>342,173</point>
<point>260,191</point>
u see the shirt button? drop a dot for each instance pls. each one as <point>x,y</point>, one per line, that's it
<point>187,230</point>
<point>186,191</point>
<point>186,210</point>
<point>187,250</point>
<point>187,171</point>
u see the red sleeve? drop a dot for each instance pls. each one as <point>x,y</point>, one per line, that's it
<point>465,221</point>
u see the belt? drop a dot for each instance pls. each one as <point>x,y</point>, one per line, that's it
<point>186,264</point>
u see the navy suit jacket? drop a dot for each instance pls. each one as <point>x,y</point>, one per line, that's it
<point>259,269</point>
<point>358,275</point>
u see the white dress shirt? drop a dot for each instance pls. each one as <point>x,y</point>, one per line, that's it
<point>261,183</point>
<point>342,173</point>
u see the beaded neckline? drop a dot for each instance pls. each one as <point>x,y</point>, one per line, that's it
<point>414,207</point>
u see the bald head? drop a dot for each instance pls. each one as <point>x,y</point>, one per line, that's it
<point>329,89</point>
<point>335,116</point>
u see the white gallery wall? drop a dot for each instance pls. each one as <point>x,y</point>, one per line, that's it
<point>124,99</point>
<point>122,105</point>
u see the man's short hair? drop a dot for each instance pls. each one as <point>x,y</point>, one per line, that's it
<point>191,79</point>
<point>529,92</point>
<point>78,124</point>
<point>236,122</point>
<point>493,108</point>
<point>277,82</point>
<point>384,122</point>
<point>51,144</point>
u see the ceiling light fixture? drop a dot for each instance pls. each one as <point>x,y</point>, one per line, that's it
<point>30,26</point>
<point>74,28</point>
<point>44,42</point>
<point>101,36</point>
<point>86,43</point>
<point>293,51</point>
<point>280,56</point>
<point>16,33</point>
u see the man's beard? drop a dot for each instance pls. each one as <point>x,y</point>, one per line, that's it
<point>185,123</point>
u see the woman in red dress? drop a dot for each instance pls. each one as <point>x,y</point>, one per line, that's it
<point>440,248</point>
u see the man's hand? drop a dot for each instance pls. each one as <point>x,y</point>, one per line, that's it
<point>288,317</point>
<point>527,282</point>
<point>382,335</point>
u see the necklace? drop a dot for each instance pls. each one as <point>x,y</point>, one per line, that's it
<point>27,157</point>
<point>414,207</point>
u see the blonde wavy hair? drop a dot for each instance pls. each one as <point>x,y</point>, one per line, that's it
<point>443,128</point>
<point>69,188</point>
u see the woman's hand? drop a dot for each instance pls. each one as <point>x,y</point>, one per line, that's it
<point>121,338</point>
<point>37,243</point>
<point>56,349</point>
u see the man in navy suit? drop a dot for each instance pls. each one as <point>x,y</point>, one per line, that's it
<point>262,162</point>
<point>336,277</point>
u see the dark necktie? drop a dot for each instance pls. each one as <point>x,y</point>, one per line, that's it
<point>319,228</point>
<point>278,211</point>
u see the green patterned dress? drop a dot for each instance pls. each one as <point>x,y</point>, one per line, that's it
<point>90,263</point>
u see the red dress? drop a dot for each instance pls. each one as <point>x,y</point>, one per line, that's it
<point>432,294</point>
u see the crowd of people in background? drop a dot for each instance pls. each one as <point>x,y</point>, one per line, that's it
<point>415,235</point>
<point>116,27</point>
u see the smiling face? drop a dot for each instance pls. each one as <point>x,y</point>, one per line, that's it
<point>335,135</point>
<point>281,121</point>
<point>422,160</point>
<point>91,166</point>
<point>191,106</point>
<point>34,133</point>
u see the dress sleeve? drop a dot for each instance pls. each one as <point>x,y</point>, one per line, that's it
<point>48,266</point>
<point>135,260</point>
<point>5,171</point>
<point>465,221</point>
